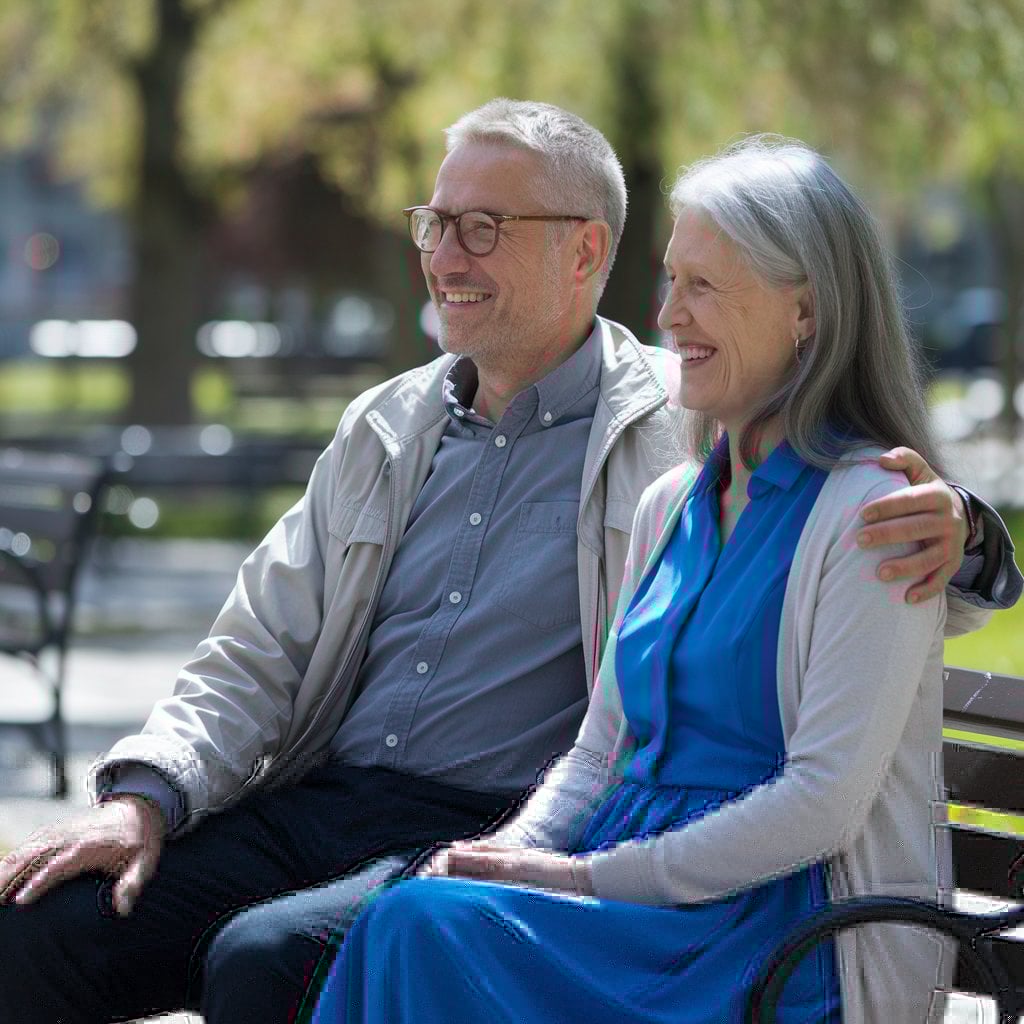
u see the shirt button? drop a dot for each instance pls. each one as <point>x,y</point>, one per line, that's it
<point>476,519</point>
<point>391,740</point>
<point>500,441</point>
<point>422,667</point>
<point>455,597</point>
<point>547,417</point>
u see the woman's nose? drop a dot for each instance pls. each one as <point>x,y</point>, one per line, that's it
<point>673,314</point>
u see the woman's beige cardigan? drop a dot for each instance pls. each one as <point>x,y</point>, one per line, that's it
<point>860,696</point>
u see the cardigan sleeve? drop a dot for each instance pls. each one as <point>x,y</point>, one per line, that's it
<point>867,653</point>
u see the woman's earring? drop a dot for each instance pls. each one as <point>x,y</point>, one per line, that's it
<point>799,344</point>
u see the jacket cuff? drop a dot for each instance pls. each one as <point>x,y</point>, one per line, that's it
<point>997,582</point>
<point>143,780</point>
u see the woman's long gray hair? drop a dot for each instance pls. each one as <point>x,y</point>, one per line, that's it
<point>796,221</point>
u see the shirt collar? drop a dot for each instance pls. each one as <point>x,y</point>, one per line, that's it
<point>458,389</point>
<point>567,383</point>
<point>558,392</point>
<point>781,469</point>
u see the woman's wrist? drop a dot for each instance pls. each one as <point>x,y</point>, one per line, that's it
<point>582,874</point>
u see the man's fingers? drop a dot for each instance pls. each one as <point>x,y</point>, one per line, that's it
<point>12,867</point>
<point>127,888</point>
<point>61,867</point>
<point>910,462</point>
<point>905,502</point>
<point>927,526</point>
<point>934,584</point>
<point>917,567</point>
<point>18,868</point>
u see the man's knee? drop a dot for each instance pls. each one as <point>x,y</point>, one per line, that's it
<point>257,947</point>
<point>56,954</point>
<point>73,911</point>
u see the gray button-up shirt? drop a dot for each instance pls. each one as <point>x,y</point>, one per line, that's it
<point>474,671</point>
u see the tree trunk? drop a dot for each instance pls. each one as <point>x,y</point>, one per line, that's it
<point>631,295</point>
<point>1004,193</point>
<point>169,224</point>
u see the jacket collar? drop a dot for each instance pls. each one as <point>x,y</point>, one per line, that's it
<point>630,385</point>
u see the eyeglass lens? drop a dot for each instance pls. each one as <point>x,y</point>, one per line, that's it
<point>478,232</point>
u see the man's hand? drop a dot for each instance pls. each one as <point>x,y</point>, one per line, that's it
<point>121,838</point>
<point>509,865</point>
<point>928,511</point>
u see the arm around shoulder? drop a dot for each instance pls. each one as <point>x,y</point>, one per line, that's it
<point>857,680</point>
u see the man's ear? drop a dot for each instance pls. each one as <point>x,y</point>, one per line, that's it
<point>592,251</point>
<point>806,324</point>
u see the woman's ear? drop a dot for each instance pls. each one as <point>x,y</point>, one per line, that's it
<point>806,324</point>
<point>592,250</point>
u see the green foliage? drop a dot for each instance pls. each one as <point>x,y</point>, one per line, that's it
<point>999,646</point>
<point>212,514</point>
<point>914,87</point>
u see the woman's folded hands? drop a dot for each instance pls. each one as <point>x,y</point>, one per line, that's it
<point>485,861</point>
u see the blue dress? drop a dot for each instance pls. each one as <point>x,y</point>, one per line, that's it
<point>696,664</point>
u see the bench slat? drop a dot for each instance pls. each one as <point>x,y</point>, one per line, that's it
<point>984,698</point>
<point>981,862</point>
<point>991,778</point>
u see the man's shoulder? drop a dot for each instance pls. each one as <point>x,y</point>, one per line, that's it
<point>635,374</point>
<point>419,384</point>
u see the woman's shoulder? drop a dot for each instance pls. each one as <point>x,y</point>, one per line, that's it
<point>858,477</point>
<point>673,485</point>
<point>663,496</point>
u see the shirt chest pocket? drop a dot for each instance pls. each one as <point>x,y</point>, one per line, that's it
<point>540,583</point>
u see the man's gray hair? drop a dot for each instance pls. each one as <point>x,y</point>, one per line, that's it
<point>583,175</point>
<point>795,221</point>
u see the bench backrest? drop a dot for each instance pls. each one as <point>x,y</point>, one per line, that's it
<point>984,770</point>
<point>48,505</point>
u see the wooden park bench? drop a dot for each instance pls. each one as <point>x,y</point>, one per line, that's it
<point>48,508</point>
<point>984,771</point>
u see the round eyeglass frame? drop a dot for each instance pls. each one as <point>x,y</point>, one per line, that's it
<point>498,218</point>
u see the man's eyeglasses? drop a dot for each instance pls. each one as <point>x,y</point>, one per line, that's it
<point>476,231</point>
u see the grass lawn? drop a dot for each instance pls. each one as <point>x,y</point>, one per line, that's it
<point>999,647</point>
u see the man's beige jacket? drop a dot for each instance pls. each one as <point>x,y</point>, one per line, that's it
<point>265,692</point>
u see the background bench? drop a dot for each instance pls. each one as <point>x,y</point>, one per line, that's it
<point>983,756</point>
<point>48,508</point>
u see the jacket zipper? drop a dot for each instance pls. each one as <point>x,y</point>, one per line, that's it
<point>378,586</point>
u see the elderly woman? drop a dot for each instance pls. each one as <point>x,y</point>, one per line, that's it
<point>765,729</point>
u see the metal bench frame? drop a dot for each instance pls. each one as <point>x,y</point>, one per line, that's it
<point>984,722</point>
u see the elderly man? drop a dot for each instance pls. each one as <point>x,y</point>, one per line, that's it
<point>412,642</point>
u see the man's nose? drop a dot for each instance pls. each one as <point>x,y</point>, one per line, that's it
<point>449,257</point>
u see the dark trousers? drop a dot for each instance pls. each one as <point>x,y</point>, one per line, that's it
<point>239,911</point>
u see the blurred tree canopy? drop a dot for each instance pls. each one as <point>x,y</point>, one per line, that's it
<point>168,107</point>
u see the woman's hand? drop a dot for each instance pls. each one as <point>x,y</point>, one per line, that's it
<point>510,865</point>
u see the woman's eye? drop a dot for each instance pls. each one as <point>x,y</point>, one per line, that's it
<point>699,283</point>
